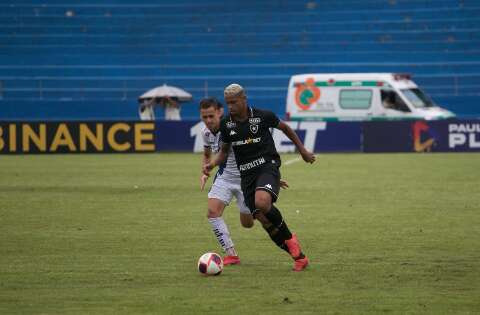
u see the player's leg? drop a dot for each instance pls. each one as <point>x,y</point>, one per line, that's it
<point>249,185</point>
<point>246,220</point>
<point>276,228</point>
<point>268,186</point>
<point>246,217</point>
<point>272,231</point>
<point>218,198</point>
<point>266,193</point>
<point>218,225</point>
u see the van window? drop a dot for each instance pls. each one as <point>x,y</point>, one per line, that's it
<point>418,98</point>
<point>356,99</point>
<point>391,100</point>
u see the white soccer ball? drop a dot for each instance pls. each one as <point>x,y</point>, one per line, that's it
<point>210,264</point>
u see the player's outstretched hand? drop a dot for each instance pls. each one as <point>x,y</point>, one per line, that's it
<point>203,181</point>
<point>308,156</point>
<point>283,184</point>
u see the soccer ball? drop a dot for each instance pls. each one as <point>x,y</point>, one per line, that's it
<point>210,264</point>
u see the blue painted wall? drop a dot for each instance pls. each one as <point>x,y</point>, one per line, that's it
<point>92,61</point>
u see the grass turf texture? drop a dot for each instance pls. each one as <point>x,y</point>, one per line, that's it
<point>121,234</point>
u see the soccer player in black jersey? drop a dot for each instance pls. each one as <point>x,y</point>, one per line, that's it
<point>247,130</point>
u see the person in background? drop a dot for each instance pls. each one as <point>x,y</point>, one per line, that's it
<point>172,108</point>
<point>388,99</point>
<point>146,111</point>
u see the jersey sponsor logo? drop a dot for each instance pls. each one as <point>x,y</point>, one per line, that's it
<point>246,141</point>
<point>253,128</point>
<point>233,132</point>
<point>255,120</point>
<point>252,164</point>
<point>231,124</point>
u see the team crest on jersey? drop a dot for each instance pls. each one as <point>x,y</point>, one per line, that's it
<point>255,120</point>
<point>254,128</point>
<point>231,124</point>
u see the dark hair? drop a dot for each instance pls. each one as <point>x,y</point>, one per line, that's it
<point>209,102</point>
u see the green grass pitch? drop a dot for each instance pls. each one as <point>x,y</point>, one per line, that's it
<point>121,234</point>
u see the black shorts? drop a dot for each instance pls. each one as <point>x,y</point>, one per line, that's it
<point>265,178</point>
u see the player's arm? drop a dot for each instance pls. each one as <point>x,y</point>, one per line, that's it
<point>307,156</point>
<point>206,156</point>
<point>218,159</point>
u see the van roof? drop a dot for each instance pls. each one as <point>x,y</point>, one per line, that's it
<point>399,80</point>
<point>353,76</point>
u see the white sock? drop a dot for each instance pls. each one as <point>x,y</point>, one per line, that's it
<point>222,234</point>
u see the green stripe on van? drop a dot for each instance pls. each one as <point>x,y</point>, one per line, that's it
<point>344,83</point>
<point>349,83</point>
<point>358,118</point>
<point>314,119</point>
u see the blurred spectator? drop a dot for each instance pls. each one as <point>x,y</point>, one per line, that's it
<point>146,111</point>
<point>172,108</point>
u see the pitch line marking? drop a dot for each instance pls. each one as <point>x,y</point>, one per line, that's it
<point>293,161</point>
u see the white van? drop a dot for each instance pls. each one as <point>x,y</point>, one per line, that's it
<point>359,96</point>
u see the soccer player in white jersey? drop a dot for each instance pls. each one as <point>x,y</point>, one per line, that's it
<point>226,183</point>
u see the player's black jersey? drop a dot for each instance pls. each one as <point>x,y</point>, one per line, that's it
<point>251,139</point>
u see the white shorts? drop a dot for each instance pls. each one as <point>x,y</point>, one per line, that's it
<point>224,190</point>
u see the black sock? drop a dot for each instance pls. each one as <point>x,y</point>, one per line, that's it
<point>279,225</point>
<point>276,237</point>
<point>276,218</point>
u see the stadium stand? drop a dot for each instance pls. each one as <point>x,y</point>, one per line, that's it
<point>91,60</point>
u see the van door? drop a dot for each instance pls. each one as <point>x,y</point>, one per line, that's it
<point>393,104</point>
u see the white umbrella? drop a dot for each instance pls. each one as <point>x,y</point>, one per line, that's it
<point>167,91</point>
